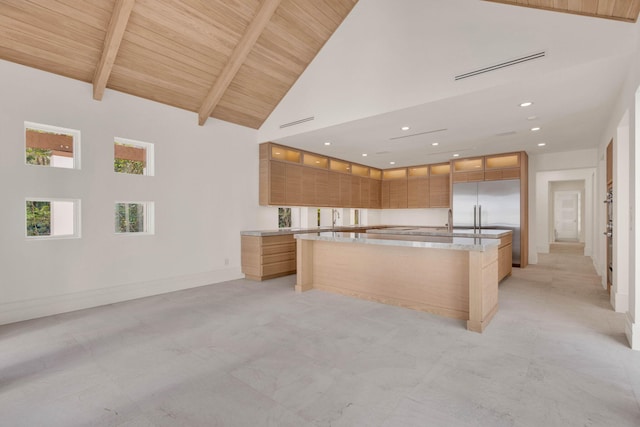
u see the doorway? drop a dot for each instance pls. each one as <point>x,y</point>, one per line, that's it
<point>566,216</point>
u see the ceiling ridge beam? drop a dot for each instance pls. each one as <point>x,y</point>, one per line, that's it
<point>237,58</point>
<point>115,32</point>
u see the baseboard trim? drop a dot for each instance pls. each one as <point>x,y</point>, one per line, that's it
<point>632,331</point>
<point>40,307</point>
<point>620,302</point>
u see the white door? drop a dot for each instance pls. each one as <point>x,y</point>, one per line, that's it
<point>566,206</point>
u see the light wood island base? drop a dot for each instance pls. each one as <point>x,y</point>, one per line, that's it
<point>461,284</point>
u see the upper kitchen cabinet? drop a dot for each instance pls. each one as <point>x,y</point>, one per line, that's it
<point>440,185</point>
<point>375,188</point>
<point>418,187</point>
<point>394,188</point>
<point>502,166</point>
<point>468,170</point>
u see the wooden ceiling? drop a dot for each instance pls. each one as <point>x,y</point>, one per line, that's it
<point>622,10</point>
<point>229,59</point>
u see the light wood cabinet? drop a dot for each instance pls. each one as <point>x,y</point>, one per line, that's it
<point>502,166</point>
<point>334,188</point>
<point>266,257</point>
<point>375,194</point>
<point>293,185</point>
<point>505,257</point>
<point>418,187</point>
<point>277,184</point>
<point>356,196</point>
<point>440,185</point>
<point>468,170</point>
<point>322,188</point>
<point>345,190</point>
<point>365,193</point>
<point>397,187</point>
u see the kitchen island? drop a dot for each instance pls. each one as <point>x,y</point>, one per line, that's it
<point>445,275</point>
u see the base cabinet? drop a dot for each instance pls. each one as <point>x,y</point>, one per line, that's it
<point>266,257</point>
<point>505,257</point>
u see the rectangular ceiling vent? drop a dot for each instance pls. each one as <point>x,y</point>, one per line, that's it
<point>417,134</point>
<point>297,122</point>
<point>502,65</point>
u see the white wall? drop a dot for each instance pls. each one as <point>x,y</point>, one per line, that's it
<point>625,171</point>
<point>205,191</point>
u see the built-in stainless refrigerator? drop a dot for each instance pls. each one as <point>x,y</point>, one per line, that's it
<point>489,205</point>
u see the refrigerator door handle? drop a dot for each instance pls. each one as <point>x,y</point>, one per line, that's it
<point>475,217</point>
<point>480,218</point>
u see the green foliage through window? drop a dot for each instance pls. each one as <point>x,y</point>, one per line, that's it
<point>130,218</point>
<point>284,217</point>
<point>38,218</point>
<point>135,167</point>
<point>38,156</point>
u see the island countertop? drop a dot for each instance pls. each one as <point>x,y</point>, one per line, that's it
<point>383,229</point>
<point>417,241</point>
<point>285,231</point>
<point>435,231</point>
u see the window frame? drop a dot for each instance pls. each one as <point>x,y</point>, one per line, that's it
<point>75,136</point>
<point>148,215</point>
<point>76,218</point>
<point>149,169</point>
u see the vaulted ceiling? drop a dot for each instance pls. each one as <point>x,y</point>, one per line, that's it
<point>623,10</point>
<point>236,60</point>
<point>229,59</point>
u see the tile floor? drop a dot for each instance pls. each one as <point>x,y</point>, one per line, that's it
<point>257,354</point>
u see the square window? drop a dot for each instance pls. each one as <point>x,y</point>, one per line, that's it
<point>49,218</point>
<point>133,157</point>
<point>134,217</point>
<point>51,146</point>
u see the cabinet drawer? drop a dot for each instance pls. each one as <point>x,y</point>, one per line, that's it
<point>285,238</point>
<point>270,259</point>
<point>279,267</point>
<point>278,249</point>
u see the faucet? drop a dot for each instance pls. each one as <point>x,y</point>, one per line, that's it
<point>450,221</point>
<point>335,215</point>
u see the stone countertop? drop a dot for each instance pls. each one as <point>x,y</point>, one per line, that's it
<point>416,241</point>
<point>435,231</point>
<point>285,231</point>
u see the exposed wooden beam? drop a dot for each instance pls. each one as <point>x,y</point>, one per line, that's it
<point>115,32</point>
<point>237,58</point>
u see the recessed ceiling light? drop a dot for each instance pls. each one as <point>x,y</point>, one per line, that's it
<point>535,129</point>
<point>542,144</point>
<point>456,155</point>
<point>327,143</point>
<point>277,153</point>
<point>405,128</point>
<point>392,163</point>
<point>364,154</point>
<point>532,117</point>
<point>526,104</point>
<point>435,144</point>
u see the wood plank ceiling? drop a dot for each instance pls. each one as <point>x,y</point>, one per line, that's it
<point>622,10</point>
<point>229,59</point>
